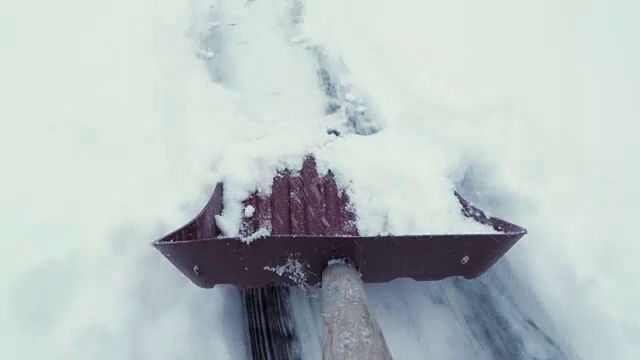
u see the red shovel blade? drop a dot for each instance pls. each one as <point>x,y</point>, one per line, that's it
<point>310,225</point>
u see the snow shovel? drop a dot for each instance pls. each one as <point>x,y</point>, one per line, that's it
<point>303,234</point>
<point>310,225</point>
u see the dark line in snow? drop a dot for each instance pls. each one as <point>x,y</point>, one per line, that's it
<point>342,99</point>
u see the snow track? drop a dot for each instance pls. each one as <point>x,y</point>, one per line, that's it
<point>270,328</point>
<point>490,318</point>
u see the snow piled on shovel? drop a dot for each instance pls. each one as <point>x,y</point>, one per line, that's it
<point>398,184</point>
<point>395,189</point>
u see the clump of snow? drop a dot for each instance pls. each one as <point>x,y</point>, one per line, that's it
<point>261,233</point>
<point>292,269</point>
<point>250,165</point>
<point>398,184</point>
<point>249,211</point>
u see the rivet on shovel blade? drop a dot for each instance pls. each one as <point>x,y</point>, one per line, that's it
<point>465,260</point>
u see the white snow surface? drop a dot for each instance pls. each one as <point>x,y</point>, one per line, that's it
<point>113,133</point>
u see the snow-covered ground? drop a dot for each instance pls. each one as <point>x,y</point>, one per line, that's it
<point>118,117</point>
